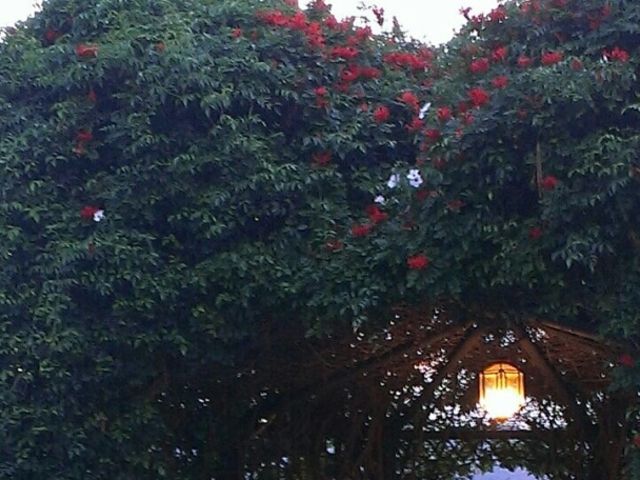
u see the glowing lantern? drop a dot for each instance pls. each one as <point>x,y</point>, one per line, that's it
<point>501,390</point>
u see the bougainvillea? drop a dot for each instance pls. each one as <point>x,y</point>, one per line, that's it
<point>265,167</point>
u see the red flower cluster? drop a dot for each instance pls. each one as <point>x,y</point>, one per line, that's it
<point>499,54</point>
<point>376,215</point>
<point>347,53</point>
<point>433,135</point>
<point>480,65</point>
<point>405,59</point>
<point>236,32</point>
<point>298,21</point>
<point>498,14</point>
<point>418,262</point>
<point>616,54</point>
<point>381,114</point>
<point>321,97</point>
<point>321,159</point>
<point>501,81</point>
<point>351,73</point>
<point>549,183</point>
<point>551,58</point>
<point>88,212</point>
<point>524,61</point>
<point>84,50</point>
<point>415,125</point>
<point>52,35</point>
<point>361,230</point>
<point>478,97</point>
<point>83,137</point>
<point>444,114</point>
<point>410,99</point>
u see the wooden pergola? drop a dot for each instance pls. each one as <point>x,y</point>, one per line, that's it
<point>401,402</point>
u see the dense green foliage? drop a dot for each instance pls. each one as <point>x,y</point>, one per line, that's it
<point>177,173</point>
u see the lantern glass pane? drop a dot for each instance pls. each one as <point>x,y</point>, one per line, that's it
<point>501,390</point>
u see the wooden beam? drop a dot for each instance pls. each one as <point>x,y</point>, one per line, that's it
<point>473,434</point>
<point>559,384</point>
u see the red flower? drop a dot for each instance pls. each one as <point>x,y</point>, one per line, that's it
<point>91,96</point>
<point>433,135</point>
<point>467,118</point>
<point>84,136</point>
<point>405,59</point>
<point>444,114</point>
<point>362,230</point>
<point>321,159</point>
<point>549,183</point>
<point>576,65</point>
<point>347,53</point>
<point>524,61</point>
<point>626,360</point>
<point>478,96</point>
<point>550,58</point>
<point>418,262</point>
<point>298,21</point>
<point>501,81</point>
<point>314,35</point>
<point>381,114</point>
<point>376,215</point>
<point>236,33</point>
<point>350,74</point>
<point>410,99</point>
<point>370,73</point>
<point>415,125</point>
<point>535,233</point>
<point>498,14</point>
<point>499,54</point>
<point>363,33</point>
<point>274,18</point>
<point>617,55</point>
<point>320,91</point>
<point>379,14</point>
<point>86,50</point>
<point>636,441</point>
<point>88,212</point>
<point>480,65</point>
<point>51,35</point>
<point>331,22</point>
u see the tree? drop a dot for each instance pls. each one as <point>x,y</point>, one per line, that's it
<point>183,178</point>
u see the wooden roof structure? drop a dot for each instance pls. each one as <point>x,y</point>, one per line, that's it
<point>401,402</point>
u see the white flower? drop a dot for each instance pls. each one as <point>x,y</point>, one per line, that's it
<point>414,177</point>
<point>424,110</point>
<point>393,181</point>
<point>98,216</point>
<point>380,200</point>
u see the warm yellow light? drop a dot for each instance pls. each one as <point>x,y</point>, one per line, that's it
<point>501,390</point>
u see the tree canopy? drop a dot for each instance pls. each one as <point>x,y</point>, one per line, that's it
<point>180,176</point>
